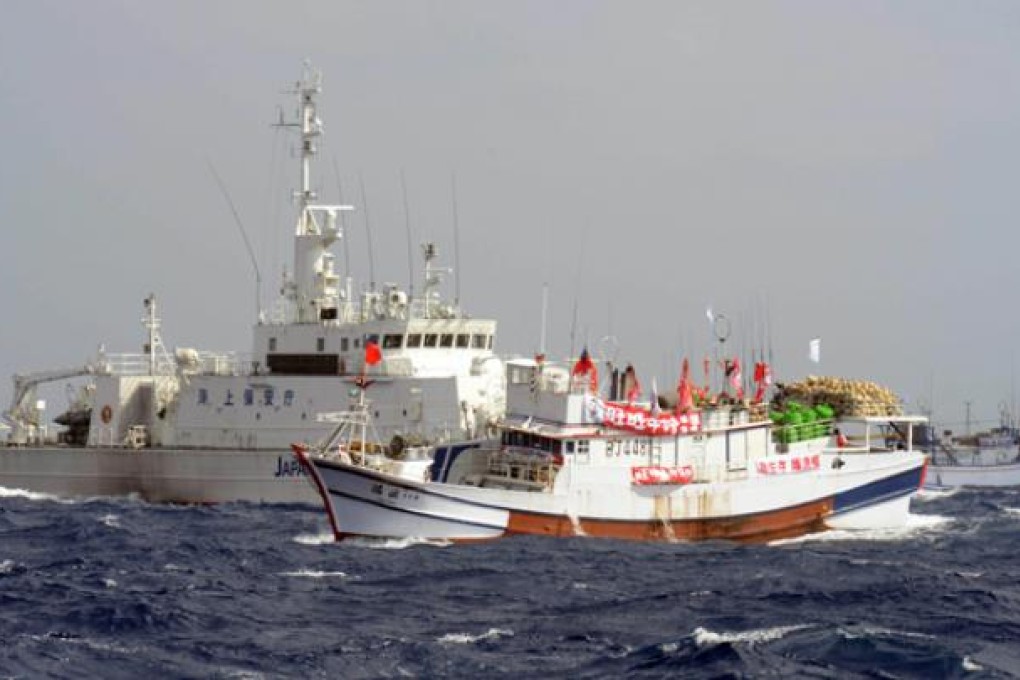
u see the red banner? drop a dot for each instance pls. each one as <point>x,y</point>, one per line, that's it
<point>661,474</point>
<point>643,421</point>
<point>787,464</point>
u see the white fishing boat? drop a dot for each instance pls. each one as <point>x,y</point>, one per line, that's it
<point>203,427</point>
<point>989,458</point>
<point>569,463</point>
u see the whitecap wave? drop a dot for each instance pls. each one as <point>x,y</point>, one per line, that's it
<point>877,631</point>
<point>915,525</point>
<point>393,543</point>
<point>970,665</point>
<point>315,539</point>
<point>926,494</point>
<point>467,638</point>
<point>35,496</point>
<point>310,573</point>
<point>707,638</point>
<point>1012,511</point>
<point>112,521</point>
<point>7,566</point>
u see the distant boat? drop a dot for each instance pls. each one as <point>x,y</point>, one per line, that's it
<point>990,458</point>
<point>568,463</point>
<point>204,427</point>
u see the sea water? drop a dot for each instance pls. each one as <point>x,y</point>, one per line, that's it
<point>118,588</point>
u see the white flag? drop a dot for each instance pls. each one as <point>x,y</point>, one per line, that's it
<point>815,350</point>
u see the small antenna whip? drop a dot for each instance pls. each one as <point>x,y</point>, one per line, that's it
<point>407,224</point>
<point>368,231</point>
<point>244,236</point>
<point>346,241</point>
<point>456,242</point>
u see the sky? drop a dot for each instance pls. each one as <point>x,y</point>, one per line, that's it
<point>842,171</point>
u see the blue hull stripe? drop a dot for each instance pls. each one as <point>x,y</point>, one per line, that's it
<point>897,486</point>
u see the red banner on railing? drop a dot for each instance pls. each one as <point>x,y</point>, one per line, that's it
<point>637,419</point>
<point>648,475</point>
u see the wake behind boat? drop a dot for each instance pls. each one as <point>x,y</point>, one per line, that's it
<point>569,463</point>
<point>203,427</point>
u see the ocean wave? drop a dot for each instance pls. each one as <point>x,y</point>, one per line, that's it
<point>707,638</point>
<point>916,525</point>
<point>467,638</point>
<point>312,573</point>
<point>394,543</point>
<point>6,492</point>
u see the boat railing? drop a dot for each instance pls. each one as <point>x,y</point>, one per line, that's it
<point>797,432</point>
<point>192,362</point>
<point>976,458</point>
<point>521,465</point>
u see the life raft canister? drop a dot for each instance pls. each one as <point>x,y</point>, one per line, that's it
<point>106,414</point>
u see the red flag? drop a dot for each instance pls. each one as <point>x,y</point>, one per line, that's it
<point>585,366</point>
<point>735,378</point>
<point>373,354</point>
<point>685,396</point>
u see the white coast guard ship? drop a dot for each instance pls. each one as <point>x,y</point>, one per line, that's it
<point>204,427</point>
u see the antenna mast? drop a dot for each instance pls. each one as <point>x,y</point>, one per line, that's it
<point>314,289</point>
<point>456,243</point>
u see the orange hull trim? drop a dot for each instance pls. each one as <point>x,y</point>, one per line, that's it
<point>769,526</point>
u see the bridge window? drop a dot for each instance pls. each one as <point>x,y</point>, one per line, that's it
<point>446,340</point>
<point>478,341</point>
<point>414,340</point>
<point>462,340</point>
<point>392,341</point>
<point>431,340</point>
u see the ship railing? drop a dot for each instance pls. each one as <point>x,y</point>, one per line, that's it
<point>194,363</point>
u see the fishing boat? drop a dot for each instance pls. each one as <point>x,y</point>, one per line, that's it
<point>567,462</point>
<point>990,458</point>
<point>204,427</point>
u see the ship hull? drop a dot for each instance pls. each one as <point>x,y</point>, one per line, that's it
<point>974,467</point>
<point>188,476</point>
<point>364,502</point>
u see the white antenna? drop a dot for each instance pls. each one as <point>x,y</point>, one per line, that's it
<point>368,233</point>
<point>244,235</point>
<point>407,224</point>
<point>545,312</point>
<point>456,242</point>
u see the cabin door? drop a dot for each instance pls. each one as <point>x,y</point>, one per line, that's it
<point>736,450</point>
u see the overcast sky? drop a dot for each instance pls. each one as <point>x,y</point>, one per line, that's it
<point>846,170</point>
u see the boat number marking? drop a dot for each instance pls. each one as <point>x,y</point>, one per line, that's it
<point>393,492</point>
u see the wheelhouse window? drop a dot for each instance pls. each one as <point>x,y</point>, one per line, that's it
<point>489,345</point>
<point>431,340</point>
<point>413,340</point>
<point>462,340</point>
<point>446,340</point>
<point>392,341</point>
<point>478,341</point>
